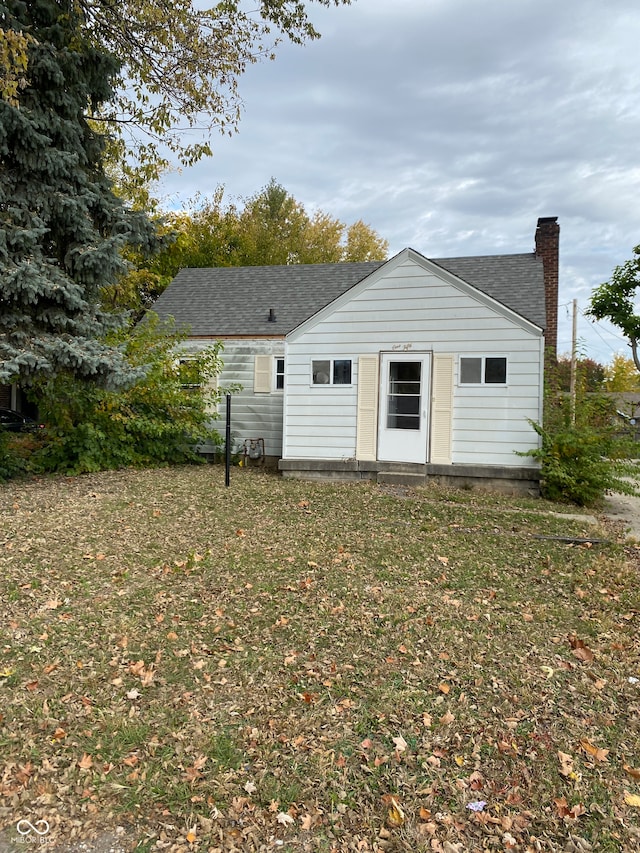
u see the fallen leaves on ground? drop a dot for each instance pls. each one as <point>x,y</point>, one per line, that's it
<point>286,663</point>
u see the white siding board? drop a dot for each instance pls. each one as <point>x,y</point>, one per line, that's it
<point>334,404</point>
<point>514,401</point>
<point>496,457</point>
<point>419,334</point>
<point>320,426</point>
<point>520,430</point>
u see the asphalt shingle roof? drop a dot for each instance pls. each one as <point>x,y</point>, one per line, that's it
<point>236,301</point>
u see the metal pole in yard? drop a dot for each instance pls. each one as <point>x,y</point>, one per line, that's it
<point>227,444</point>
<point>574,362</point>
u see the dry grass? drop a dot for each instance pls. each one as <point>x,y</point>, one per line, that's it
<point>294,666</point>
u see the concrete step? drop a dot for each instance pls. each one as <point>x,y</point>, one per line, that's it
<point>398,478</point>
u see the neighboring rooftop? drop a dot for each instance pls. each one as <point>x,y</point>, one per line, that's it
<point>237,301</point>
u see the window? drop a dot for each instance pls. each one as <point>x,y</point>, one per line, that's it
<point>483,370</point>
<point>278,366</point>
<point>336,371</point>
<point>189,374</point>
<point>191,381</point>
<point>342,371</point>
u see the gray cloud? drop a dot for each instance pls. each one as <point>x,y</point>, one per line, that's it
<point>450,126</point>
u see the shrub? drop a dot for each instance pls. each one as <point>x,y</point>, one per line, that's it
<point>10,462</point>
<point>157,421</point>
<point>582,456</point>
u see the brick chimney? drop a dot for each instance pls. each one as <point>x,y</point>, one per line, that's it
<point>548,249</point>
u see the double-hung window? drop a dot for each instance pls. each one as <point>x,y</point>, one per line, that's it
<point>189,373</point>
<point>278,374</point>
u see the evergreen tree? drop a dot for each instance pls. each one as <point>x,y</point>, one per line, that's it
<point>62,229</point>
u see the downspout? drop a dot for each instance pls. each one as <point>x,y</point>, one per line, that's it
<point>285,395</point>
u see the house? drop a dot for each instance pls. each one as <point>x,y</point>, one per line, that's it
<point>407,369</point>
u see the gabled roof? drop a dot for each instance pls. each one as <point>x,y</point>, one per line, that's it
<point>236,301</point>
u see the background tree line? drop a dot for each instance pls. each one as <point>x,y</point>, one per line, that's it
<point>619,376</point>
<point>270,227</point>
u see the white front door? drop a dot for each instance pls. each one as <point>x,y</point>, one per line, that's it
<point>404,407</point>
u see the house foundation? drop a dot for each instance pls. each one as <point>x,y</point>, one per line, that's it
<point>503,479</point>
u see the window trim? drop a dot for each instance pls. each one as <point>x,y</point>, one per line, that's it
<point>483,371</point>
<point>331,383</point>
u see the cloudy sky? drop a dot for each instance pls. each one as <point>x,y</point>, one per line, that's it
<point>450,126</point>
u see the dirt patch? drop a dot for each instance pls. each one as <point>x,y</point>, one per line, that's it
<point>624,509</point>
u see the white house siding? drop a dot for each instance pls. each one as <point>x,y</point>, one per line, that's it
<point>413,309</point>
<point>253,415</point>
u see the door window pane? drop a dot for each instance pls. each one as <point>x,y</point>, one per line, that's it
<point>404,395</point>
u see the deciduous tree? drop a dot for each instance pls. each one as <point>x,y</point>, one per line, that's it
<point>615,300</point>
<point>181,63</point>
<point>621,375</point>
<point>270,227</point>
<point>590,375</point>
<point>13,60</point>
<point>157,421</point>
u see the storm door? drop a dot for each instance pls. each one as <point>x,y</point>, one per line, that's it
<point>404,407</point>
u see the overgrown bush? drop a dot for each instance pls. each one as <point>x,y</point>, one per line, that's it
<point>582,455</point>
<point>159,420</point>
<point>11,463</point>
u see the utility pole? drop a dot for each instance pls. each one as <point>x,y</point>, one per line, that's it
<point>574,361</point>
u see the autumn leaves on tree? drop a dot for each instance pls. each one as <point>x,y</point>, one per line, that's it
<point>268,228</point>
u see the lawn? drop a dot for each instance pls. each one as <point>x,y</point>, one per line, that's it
<point>313,667</point>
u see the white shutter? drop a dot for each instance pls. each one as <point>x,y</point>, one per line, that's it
<point>367,414</point>
<point>210,388</point>
<point>442,410</point>
<point>262,374</point>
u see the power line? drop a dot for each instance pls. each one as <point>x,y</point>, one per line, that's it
<point>595,323</point>
<point>596,326</point>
